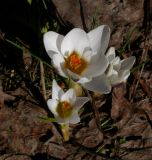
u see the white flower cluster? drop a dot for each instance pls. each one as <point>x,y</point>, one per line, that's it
<point>82,57</point>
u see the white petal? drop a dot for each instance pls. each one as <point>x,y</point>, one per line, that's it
<point>114,72</point>
<point>110,54</point>
<point>127,64</point>
<point>52,42</point>
<point>122,77</point>
<point>116,61</point>
<point>109,70</point>
<point>73,75</point>
<point>96,68</point>
<point>69,96</point>
<point>79,79</point>
<point>62,120</point>
<point>57,92</point>
<point>99,38</point>
<point>99,84</point>
<point>58,63</point>
<point>74,119</point>
<point>117,67</point>
<point>87,55</point>
<point>75,40</point>
<point>124,74</point>
<point>114,79</point>
<point>52,105</point>
<point>80,101</point>
<point>83,80</point>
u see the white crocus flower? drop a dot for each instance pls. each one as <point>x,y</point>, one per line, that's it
<point>117,72</point>
<point>79,55</point>
<point>65,105</point>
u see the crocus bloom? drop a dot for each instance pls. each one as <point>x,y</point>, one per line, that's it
<point>65,105</point>
<point>117,71</point>
<point>79,55</point>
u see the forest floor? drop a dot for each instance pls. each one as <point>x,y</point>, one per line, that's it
<point>123,128</point>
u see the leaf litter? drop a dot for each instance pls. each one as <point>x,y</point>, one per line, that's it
<point>125,127</point>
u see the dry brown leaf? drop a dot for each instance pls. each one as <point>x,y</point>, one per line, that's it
<point>4,97</point>
<point>1,99</point>
<point>146,83</point>
<point>14,157</point>
<point>121,110</point>
<point>90,136</point>
<point>139,132</point>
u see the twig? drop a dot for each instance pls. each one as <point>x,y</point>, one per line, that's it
<point>147,16</point>
<point>143,58</point>
<point>82,16</point>
<point>148,119</point>
<point>42,79</point>
<point>94,108</point>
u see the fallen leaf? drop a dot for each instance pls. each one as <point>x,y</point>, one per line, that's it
<point>121,110</point>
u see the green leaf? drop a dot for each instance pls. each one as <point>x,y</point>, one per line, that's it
<point>29,2</point>
<point>45,28</point>
<point>47,119</point>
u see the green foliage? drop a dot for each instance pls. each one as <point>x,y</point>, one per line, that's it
<point>122,140</point>
<point>94,18</point>
<point>127,41</point>
<point>113,147</point>
<point>106,123</point>
<point>45,28</point>
<point>29,2</point>
<point>46,119</point>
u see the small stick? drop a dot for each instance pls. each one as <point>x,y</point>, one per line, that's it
<point>42,79</point>
<point>144,56</point>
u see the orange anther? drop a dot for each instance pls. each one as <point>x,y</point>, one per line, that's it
<point>64,109</point>
<point>75,63</point>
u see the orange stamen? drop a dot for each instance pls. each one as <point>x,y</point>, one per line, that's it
<point>64,109</point>
<point>66,105</point>
<point>75,63</point>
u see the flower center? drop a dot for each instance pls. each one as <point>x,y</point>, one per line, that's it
<point>75,63</point>
<point>64,109</point>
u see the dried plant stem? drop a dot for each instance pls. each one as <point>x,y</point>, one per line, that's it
<point>143,58</point>
<point>94,108</point>
<point>82,16</point>
<point>42,79</point>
